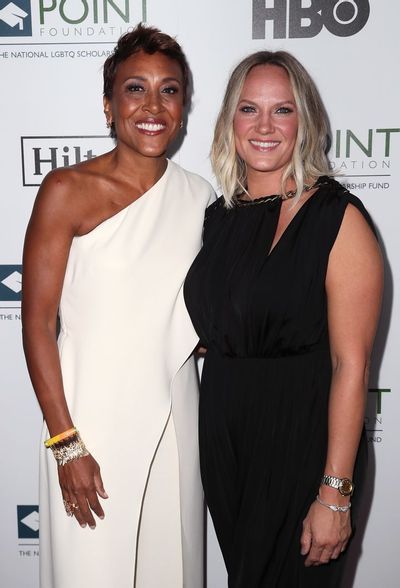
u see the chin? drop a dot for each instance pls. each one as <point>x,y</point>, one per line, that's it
<point>267,166</point>
<point>155,151</point>
<point>263,168</point>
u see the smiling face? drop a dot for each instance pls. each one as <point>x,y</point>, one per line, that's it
<point>265,124</point>
<point>147,103</point>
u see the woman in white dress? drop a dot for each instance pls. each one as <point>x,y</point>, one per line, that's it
<point>107,248</point>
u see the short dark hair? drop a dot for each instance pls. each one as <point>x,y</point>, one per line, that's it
<point>149,40</point>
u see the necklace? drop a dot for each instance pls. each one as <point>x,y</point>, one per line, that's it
<point>271,198</point>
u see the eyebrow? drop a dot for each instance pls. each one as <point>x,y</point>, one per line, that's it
<point>144,79</point>
<point>279,102</point>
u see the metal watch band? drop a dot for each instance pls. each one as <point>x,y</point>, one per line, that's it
<point>331,481</point>
<point>344,485</point>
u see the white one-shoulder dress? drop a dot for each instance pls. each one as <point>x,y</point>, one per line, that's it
<point>131,386</point>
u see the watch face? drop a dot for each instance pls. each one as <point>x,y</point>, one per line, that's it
<point>346,487</point>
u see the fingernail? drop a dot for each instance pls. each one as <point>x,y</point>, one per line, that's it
<point>105,495</point>
<point>92,526</point>
<point>83,525</point>
<point>101,517</point>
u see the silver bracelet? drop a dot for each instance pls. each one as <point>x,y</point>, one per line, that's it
<point>69,449</point>
<point>334,507</point>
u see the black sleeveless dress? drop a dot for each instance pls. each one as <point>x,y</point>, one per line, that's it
<point>266,381</point>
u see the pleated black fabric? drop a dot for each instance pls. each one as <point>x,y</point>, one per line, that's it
<point>264,393</point>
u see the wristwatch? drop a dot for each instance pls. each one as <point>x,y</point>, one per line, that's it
<point>344,485</point>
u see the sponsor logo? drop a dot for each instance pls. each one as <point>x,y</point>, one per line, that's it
<point>10,282</point>
<point>300,19</point>
<point>379,392</point>
<point>28,521</point>
<point>366,154</point>
<point>69,21</point>
<point>374,417</point>
<point>39,155</point>
<point>15,18</point>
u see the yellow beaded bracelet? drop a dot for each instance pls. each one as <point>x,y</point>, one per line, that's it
<point>60,437</point>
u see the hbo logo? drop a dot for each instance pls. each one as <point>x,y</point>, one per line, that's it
<point>290,18</point>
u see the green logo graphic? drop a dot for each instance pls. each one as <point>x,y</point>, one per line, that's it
<point>78,12</point>
<point>378,140</point>
<point>97,11</point>
<point>379,392</point>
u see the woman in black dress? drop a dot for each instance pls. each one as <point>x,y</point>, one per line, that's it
<point>285,297</point>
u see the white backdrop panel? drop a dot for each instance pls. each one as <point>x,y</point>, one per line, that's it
<point>52,98</point>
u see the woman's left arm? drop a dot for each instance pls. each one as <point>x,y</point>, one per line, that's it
<point>354,290</point>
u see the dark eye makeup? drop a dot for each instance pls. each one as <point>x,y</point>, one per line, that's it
<point>134,88</point>
<point>170,90</point>
<point>248,109</point>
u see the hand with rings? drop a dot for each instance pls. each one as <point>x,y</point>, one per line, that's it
<point>70,507</point>
<point>81,487</point>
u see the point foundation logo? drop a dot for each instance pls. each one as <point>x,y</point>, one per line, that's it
<point>374,414</point>
<point>10,283</point>
<point>300,19</point>
<point>15,18</point>
<point>40,155</point>
<point>28,521</point>
<point>367,154</point>
<point>69,21</point>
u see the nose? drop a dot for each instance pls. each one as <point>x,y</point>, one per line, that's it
<point>152,102</point>
<point>265,123</point>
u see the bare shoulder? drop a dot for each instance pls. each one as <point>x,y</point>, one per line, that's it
<point>356,252</point>
<point>66,193</point>
<point>66,182</point>
<point>55,200</point>
<point>355,234</point>
<point>354,285</point>
<point>59,183</point>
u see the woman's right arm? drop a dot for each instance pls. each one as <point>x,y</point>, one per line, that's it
<point>53,224</point>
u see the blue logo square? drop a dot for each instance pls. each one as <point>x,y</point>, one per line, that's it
<point>10,282</point>
<point>28,521</point>
<point>15,18</point>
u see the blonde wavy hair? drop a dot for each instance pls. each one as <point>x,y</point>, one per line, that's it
<point>309,160</point>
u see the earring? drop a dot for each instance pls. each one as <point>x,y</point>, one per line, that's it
<point>181,125</point>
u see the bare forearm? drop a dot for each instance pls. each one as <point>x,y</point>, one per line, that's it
<point>346,416</point>
<point>43,362</point>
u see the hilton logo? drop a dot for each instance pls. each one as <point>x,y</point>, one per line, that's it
<point>42,154</point>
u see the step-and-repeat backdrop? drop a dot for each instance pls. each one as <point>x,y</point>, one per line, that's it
<point>51,55</point>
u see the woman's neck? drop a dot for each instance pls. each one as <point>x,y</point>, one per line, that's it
<point>264,184</point>
<point>143,171</point>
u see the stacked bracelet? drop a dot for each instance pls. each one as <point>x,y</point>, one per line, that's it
<point>60,437</point>
<point>334,507</point>
<point>67,446</point>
